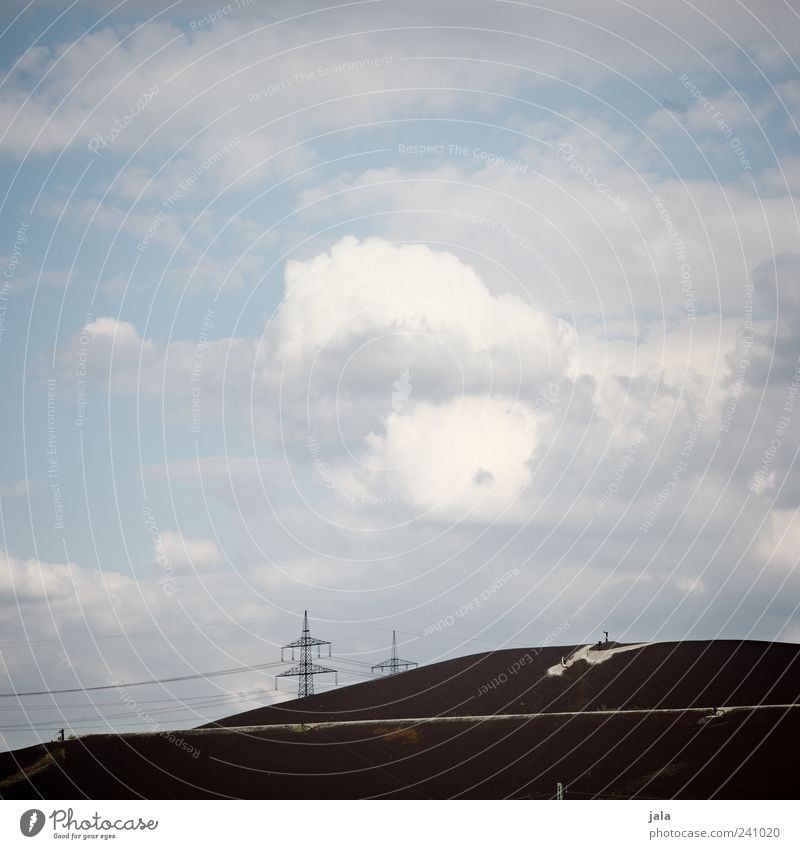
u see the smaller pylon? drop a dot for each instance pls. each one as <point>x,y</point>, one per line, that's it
<point>394,664</point>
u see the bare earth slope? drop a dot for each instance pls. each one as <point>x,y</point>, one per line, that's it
<point>658,675</point>
<point>621,722</point>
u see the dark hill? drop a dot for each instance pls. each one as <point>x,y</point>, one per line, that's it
<point>637,725</point>
<point>657,675</point>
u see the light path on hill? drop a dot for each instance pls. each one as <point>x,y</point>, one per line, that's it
<point>499,717</point>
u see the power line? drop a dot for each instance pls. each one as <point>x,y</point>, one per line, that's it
<point>80,720</point>
<point>231,671</point>
<point>103,720</point>
<point>173,704</point>
<point>83,705</point>
<point>35,729</point>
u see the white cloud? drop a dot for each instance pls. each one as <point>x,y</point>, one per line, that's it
<point>88,85</point>
<point>31,580</point>
<point>322,386</point>
<point>552,233</point>
<point>367,289</point>
<point>779,543</point>
<point>115,355</point>
<point>183,553</point>
<point>269,85</point>
<point>466,459</point>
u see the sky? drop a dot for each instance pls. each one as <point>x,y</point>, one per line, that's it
<point>477,321</point>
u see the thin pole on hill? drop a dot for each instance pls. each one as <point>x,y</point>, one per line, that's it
<point>306,669</point>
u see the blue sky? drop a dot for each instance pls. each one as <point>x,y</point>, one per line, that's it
<point>355,309</point>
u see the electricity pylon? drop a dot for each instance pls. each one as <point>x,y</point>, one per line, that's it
<point>306,669</point>
<point>394,663</point>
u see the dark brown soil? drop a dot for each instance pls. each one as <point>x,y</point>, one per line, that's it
<point>669,747</point>
<point>661,675</point>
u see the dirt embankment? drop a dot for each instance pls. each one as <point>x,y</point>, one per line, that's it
<point>618,723</point>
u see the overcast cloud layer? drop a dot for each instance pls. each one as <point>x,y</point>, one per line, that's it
<point>475,320</point>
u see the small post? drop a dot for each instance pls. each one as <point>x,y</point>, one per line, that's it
<point>560,792</point>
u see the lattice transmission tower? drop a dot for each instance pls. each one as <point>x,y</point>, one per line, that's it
<point>394,664</point>
<point>306,669</point>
